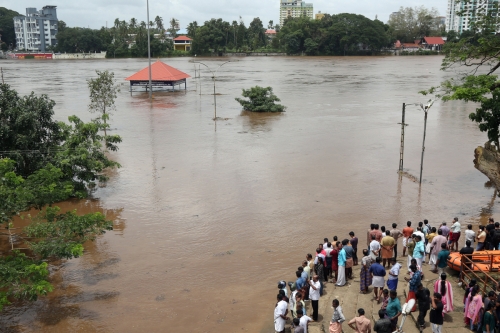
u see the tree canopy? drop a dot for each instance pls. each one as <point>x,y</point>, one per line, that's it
<point>475,55</point>
<point>409,24</point>
<point>260,99</point>
<point>7,28</point>
<point>43,162</point>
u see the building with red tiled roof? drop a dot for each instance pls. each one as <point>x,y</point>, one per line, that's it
<point>162,75</point>
<point>182,43</point>
<point>433,43</point>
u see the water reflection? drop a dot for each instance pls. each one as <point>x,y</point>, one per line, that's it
<point>259,121</point>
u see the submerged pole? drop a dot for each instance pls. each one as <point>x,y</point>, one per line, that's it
<point>402,145</point>
<point>149,57</point>
<point>215,102</point>
<point>423,146</point>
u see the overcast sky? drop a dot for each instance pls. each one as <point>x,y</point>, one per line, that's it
<point>95,13</point>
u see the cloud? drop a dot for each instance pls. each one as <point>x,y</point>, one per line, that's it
<point>95,13</point>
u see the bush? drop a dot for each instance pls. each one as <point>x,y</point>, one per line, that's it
<point>260,100</point>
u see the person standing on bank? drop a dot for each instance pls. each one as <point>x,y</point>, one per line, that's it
<point>424,304</point>
<point>374,248</point>
<point>419,250</point>
<point>392,282</point>
<point>363,324</point>
<point>314,286</point>
<point>481,238</point>
<point>337,318</point>
<point>387,245</point>
<point>378,281</point>
<point>383,325</point>
<point>489,322</point>
<point>341,280</point>
<point>365,277</point>
<point>445,289</point>
<point>354,244</point>
<point>435,248</point>
<point>280,314</point>
<point>349,254</point>
<point>407,232</point>
<point>436,315</point>
<point>396,234</point>
<point>454,235</point>
<point>393,309</point>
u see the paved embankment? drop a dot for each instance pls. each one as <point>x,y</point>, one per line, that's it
<point>350,300</point>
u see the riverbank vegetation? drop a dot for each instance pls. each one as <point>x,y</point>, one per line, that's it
<point>260,99</point>
<point>43,161</point>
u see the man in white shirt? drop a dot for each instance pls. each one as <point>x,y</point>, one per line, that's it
<point>454,234</point>
<point>304,321</point>
<point>314,286</point>
<point>280,312</point>
<point>470,235</point>
<point>374,248</point>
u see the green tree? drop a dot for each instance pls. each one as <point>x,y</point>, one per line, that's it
<point>478,52</point>
<point>260,99</point>
<point>71,165</point>
<point>7,26</point>
<point>27,131</point>
<point>174,27</point>
<point>102,96</point>
<point>159,24</point>
<point>410,23</point>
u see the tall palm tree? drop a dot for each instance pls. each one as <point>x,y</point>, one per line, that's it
<point>133,23</point>
<point>191,29</point>
<point>159,23</point>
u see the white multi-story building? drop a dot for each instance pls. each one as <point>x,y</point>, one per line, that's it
<point>462,22</point>
<point>295,8</point>
<point>37,30</point>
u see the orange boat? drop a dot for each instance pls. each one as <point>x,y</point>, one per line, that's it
<point>483,260</point>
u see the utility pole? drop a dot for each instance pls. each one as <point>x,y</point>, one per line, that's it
<point>402,145</point>
<point>213,78</point>
<point>149,57</point>
<point>425,109</point>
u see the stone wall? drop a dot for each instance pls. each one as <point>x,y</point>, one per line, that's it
<point>101,55</point>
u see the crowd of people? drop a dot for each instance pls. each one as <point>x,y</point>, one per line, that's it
<point>333,262</point>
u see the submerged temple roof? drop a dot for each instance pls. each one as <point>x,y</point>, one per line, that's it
<point>160,71</point>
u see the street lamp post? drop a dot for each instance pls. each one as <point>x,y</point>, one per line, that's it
<point>213,78</point>
<point>149,57</point>
<point>425,109</point>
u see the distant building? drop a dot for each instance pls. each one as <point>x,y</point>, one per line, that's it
<point>37,30</point>
<point>319,16</point>
<point>463,22</point>
<point>182,43</point>
<point>295,8</point>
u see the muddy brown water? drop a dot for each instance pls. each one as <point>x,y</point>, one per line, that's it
<point>209,219</point>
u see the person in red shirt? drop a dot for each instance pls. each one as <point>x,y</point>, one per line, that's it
<point>407,232</point>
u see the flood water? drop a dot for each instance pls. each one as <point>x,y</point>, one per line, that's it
<point>208,219</point>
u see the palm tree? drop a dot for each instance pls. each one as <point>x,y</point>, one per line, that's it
<point>191,29</point>
<point>159,23</point>
<point>133,24</point>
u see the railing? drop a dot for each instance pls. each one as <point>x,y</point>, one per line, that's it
<point>469,270</point>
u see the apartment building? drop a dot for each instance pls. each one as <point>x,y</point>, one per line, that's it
<point>295,8</point>
<point>470,9</point>
<point>37,30</point>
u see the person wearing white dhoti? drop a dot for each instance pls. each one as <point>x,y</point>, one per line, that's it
<point>280,312</point>
<point>341,281</point>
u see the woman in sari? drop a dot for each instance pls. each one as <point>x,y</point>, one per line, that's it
<point>444,288</point>
<point>365,276</point>
<point>337,318</point>
<point>474,307</point>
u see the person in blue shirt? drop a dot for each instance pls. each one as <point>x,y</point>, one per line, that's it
<point>415,281</point>
<point>419,250</point>
<point>442,258</point>
<point>378,282</point>
<point>342,258</point>
<point>300,282</point>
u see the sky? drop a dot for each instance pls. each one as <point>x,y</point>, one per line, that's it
<point>95,13</point>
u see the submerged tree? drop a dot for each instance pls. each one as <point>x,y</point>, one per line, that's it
<point>64,161</point>
<point>102,96</point>
<point>260,99</point>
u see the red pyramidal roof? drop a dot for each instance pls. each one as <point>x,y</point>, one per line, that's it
<point>159,72</point>
<point>182,38</point>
